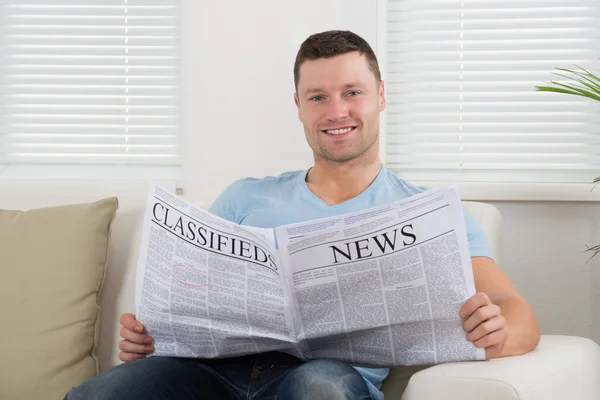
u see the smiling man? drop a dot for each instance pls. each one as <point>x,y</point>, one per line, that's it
<point>339,96</point>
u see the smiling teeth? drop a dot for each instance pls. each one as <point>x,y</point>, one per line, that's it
<point>338,131</point>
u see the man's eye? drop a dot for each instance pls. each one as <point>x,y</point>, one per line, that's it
<point>353,93</point>
<point>316,98</point>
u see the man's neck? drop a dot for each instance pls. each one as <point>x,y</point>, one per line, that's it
<point>335,183</point>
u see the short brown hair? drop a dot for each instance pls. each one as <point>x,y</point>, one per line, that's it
<point>334,43</point>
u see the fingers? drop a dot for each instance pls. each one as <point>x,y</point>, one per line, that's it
<point>129,322</point>
<point>478,300</point>
<point>135,344</point>
<point>130,347</point>
<point>492,325</point>
<point>129,356</point>
<point>138,338</point>
<point>485,324</point>
<point>481,315</point>
<point>493,339</point>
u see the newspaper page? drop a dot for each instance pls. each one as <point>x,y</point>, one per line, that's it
<point>208,288</point>
<point>383,287</point>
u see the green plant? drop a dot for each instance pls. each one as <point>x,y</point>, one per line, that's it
<point>579,83</point>
<point>584,84</point>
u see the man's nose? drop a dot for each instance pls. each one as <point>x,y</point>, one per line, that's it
<point>338,109</point>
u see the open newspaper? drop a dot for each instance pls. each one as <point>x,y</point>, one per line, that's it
<point>379,287</point>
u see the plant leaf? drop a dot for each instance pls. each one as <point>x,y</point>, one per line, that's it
<point>595,250</point>
<point>579,91</point>
<point>583,84</point>
<point>554,89</point>
<point>596,181</point>
<point>594,81</point>
<point>595,89</point>
<point>597,79</point>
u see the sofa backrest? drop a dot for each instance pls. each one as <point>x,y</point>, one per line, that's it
<point>490,220</point>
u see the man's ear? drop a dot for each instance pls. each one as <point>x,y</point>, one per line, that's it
<point>297,102</point>
<point>382,101</point>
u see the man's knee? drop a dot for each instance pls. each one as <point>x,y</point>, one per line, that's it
<point>93,391</point>
<point>117,382</point>
<point>323,379</point>
<point>153,377</point>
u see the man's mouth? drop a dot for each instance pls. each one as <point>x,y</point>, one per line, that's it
<point>339,131</point>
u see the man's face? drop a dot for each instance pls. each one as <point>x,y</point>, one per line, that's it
<point>339,101</point>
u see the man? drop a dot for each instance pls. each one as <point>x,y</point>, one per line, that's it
<point>339,96</point>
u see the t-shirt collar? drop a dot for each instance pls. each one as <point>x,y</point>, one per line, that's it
<point>316,201</point>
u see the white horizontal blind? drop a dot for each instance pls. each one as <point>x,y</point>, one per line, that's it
<point>94,81</point>
<point>462,103</point>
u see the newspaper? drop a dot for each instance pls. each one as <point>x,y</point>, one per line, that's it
<point>380,287</point>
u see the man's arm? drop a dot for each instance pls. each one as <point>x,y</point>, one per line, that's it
<point>497,318</point>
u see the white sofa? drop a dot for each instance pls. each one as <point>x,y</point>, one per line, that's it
<point>562,367</point>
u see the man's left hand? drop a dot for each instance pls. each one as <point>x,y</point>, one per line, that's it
<point>484,324</point>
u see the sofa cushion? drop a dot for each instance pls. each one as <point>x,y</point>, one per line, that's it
<point>52,265</point>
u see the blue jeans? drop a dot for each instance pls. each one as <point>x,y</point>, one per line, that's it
<point>272,375</point>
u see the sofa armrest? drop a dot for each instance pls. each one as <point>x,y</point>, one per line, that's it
<point>561,367</point>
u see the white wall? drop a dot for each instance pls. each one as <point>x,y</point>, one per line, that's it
<point>240,120</point>
<point>543,254</point>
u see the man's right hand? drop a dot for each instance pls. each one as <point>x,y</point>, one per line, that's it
<point>135,343</point>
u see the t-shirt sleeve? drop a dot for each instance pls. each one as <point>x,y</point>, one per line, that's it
<point>478,244</point>
<point>227,204</point>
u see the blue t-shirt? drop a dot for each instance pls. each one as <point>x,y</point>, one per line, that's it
<point>286,199</point>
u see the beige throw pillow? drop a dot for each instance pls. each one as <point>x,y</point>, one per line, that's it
<point>52,266</point>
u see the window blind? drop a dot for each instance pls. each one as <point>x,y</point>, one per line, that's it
<point>93,81</point>
<point>462,103</point>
